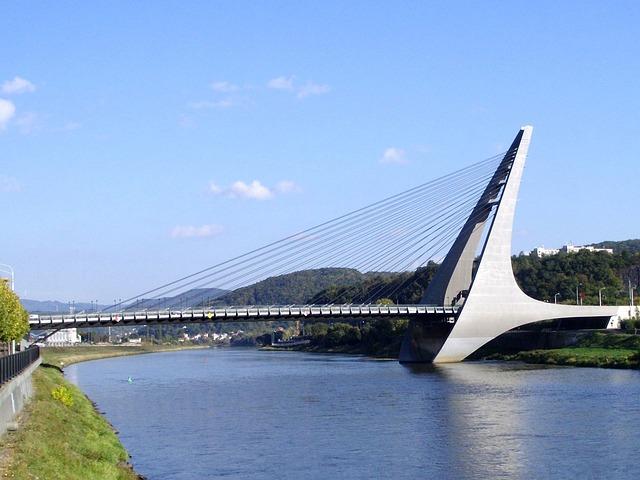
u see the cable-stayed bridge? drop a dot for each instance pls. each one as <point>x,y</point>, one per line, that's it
<point>462,221</point>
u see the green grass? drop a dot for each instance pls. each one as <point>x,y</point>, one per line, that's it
<point>63,442</point>
<point>606,350</point>
<point>583,357</point>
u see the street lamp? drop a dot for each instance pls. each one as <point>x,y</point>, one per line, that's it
<point>9,269</point>
<point>555,297</point>
<point>578,293</point>
<point>600,295</point>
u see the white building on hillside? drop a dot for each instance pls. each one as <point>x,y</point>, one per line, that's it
<point>576,248</point>
<point>545,252</point>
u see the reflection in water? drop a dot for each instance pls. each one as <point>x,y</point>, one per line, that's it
<point>261,415</point>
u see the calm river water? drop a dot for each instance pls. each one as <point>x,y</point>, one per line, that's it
<point>246,414</point>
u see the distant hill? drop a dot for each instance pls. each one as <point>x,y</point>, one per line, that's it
<point>297,287</point>
<point>54,306</point>
<point>631,246</point>
<point>191,298</point>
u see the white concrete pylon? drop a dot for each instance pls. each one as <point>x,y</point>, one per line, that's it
<point>495,303</point>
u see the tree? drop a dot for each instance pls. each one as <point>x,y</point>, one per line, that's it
<point>14,319</point>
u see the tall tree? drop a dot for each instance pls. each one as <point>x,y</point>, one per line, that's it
<point>14,319</point>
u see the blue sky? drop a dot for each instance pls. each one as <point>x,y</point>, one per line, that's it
<point>139,142</point>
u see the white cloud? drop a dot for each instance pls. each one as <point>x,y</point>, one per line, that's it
<point>206,104</point>
<point>312,89</point>
<point>287,186</point>
<point>302,91</point>
<point>9,184</point>
<point>7,111</point>
<point>254,190</point>
<point>17,85</point>
<point>393,155</point>
<point>281,83</point>
<point>224,87</point>
<point>193,231</point>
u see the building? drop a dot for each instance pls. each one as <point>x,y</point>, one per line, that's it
<point>545,252</point>
<point>576,248</point>
<point>63,338</point>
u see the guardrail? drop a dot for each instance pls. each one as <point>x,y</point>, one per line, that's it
<point>13,365</point>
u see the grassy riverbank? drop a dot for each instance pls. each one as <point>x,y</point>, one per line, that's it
<point>58,441</point>
<point>598,350</point>
<point>64,356</point>
<point>72,441</point>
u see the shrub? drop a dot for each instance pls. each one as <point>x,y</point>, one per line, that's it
<point>63,395</point>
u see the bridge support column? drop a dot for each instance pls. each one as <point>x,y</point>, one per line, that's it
<point>494,303</point>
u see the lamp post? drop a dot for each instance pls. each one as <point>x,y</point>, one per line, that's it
<point>578,285</point>
<point>600,295</point>
<point>9,269</point>
<point>555,297</point>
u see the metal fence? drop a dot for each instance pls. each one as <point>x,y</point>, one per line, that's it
<point>13,365</point>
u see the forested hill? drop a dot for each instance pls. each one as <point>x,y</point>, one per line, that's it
<point>540,278</point>
<point>543,277</point>
<point>631,246</point>
<point>292,288</point>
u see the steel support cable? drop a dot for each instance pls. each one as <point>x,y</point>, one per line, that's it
<point>434,248</point>
<point>405,283</point>
<point>445,231</point>
<point>486,210</point>
<point>474,199</point>
<point>475,216</point>
<point>362,221</point>
<point>365,261</point>
<point>383,235</point>
<point>451,227</point>
<point>419,244</point>
<point>243,278</point>
<point>309,230</point>
<point>307,245</point>
<point>450,238</point>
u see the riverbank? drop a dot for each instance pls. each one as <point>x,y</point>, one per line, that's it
<point>598,350</point>
<point>66,437</point>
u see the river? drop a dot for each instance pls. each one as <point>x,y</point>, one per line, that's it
<point>246,414</point>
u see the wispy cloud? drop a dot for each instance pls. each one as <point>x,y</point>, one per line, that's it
<point>207,104</point>
<point>395,156</point>
<point>281,83</point>
<point>224,87</point>
<point>17,85</point>
<point>311,88</point>
<point>7,111</point>
<point>302,91</point>
<point>196,231</point>
<point>254,190</point>
<point>9,184</point>
<point>27,122</point>
<point>287,186</point>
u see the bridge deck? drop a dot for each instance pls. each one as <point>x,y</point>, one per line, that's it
<point>252,313</point>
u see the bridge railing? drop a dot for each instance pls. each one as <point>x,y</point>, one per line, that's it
<point>13,365</point>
